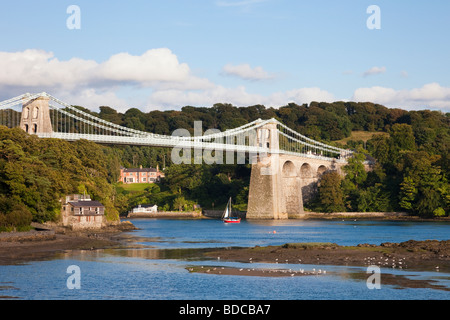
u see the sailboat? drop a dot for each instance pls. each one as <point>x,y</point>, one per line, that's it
<point>227,218</point>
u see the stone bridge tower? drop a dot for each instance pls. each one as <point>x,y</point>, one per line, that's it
<point>279,183</point>
<point>36,116</point>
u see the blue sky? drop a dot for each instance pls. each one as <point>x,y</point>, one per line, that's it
<point>172,53</point>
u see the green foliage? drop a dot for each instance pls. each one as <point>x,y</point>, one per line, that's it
<point>408,193</point>
<point>424,188</point>
<point>330,193</point>
<point>19,219</point>
<point>36,173</point>
<point>179,203</point>
<point>412,153</point>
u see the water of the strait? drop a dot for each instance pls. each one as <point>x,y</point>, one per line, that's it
<point>159,270</point>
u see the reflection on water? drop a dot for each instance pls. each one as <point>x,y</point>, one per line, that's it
<point>156,265</point>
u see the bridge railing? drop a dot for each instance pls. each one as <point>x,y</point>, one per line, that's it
<point>72,123</point>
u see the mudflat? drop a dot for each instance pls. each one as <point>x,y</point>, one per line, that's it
<point>419,255</point>
<point>20,247</point>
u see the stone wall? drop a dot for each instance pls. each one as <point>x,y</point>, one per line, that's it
<point>353,215</point>
<point>85,222</point>
<point>166,215</point>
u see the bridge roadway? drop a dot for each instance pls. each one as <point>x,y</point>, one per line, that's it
<point>176,142</point>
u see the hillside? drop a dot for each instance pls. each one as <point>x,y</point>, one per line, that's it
<point>411,149</point>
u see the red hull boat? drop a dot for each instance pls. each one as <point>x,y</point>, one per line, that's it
<point>227,218</point>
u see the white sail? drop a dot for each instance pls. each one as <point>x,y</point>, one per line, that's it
<point>227,213</point>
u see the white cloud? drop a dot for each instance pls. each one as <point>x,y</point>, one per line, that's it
<point>246,72</point>
<point>37,68</point>
<point>157,80</point>
<point>157,65</point>
<point>41,68</point>
<point>87,81</point>
<point>374,70</point>
<point>237,96</point>
<point>300,96</point>
<point>430,96</point>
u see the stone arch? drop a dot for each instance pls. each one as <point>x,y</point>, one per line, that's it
<point>289,169</point>
<point>321,170</point>
<point>306,171</point>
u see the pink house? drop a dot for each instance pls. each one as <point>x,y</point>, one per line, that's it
<point>141,175</point>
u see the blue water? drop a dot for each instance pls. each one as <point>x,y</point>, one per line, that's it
<point>147,274</point>
<point>211,233</point>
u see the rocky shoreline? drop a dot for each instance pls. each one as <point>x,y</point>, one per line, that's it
<point>20,247</point>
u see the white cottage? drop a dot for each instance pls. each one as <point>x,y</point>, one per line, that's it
<point>143,210</point>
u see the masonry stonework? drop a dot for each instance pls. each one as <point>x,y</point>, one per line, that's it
<point>281,184</point>
<point>36,116</point>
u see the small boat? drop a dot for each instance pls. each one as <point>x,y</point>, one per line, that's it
<point>227,218</point>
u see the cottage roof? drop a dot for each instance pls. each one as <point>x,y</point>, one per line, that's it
<point>79,204</point>
<point>140,170</point>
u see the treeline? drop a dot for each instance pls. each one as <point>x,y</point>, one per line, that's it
<point>321,121</point>
<point>36,173</point>
<point>411,173</point>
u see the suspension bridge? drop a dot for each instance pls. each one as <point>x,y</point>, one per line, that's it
<point>286,168</point>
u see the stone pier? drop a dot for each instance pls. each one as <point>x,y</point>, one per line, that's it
<point>280,184</point>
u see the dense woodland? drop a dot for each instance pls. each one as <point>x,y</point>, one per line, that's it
<point>411,172</point>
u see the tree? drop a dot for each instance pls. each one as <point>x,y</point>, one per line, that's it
<point>179,203</point>
<point>330,193</point>
<point>424,188</point>
<point>408,193</point>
